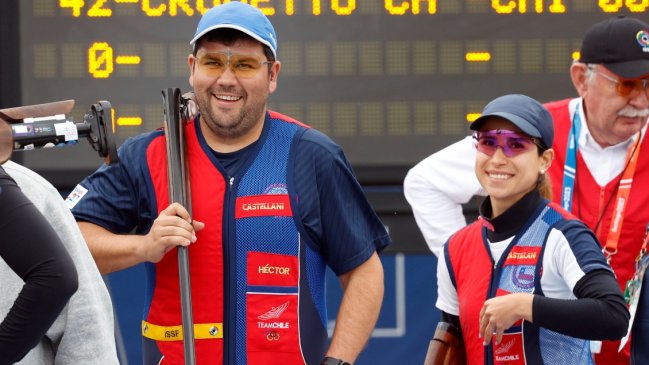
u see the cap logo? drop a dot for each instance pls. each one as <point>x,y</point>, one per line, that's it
<point>643,40</point>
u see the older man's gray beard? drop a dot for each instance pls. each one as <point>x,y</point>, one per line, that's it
<point>246,120</point>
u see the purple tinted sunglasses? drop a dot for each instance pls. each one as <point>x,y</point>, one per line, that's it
<point>512,143</point>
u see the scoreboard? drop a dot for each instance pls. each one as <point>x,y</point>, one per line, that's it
<point>390,80</point>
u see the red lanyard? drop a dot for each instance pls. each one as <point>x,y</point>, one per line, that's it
<point>621,199</point>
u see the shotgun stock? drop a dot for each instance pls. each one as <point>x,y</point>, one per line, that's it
<point>446,347</point>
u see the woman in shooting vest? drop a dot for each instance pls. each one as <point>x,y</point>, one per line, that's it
<point>526,283</point>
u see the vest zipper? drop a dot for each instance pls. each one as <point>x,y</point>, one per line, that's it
<point>229,346</point>
<point>488,349</point>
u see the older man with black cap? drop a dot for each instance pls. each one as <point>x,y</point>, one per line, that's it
<point>274,202</point>
<point>601,164</point>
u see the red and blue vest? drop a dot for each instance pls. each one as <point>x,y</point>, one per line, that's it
<point>477,278</point>
<point>257,288</point>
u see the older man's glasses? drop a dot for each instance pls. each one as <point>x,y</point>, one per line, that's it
<point>511,143</point>
<point>242,65</point>
<point>626,87</point>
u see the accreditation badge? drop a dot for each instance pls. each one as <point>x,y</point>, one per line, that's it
<point>632,294</point>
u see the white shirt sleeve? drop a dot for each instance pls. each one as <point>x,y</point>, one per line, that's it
<point>446,292</point>
<point>437,187</point>
<point>561,271</point>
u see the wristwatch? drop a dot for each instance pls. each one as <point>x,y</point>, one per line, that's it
<point>333,361</point>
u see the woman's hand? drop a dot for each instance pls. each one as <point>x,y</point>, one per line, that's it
<point>500,313</point>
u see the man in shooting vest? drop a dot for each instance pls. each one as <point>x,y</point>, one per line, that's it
<point>273,203</point>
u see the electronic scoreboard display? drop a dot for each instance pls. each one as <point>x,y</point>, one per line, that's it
<point>390,80</point>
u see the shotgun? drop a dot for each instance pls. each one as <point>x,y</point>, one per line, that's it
<point>175,118</point>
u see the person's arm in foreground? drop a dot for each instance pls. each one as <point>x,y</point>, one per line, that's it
<point>113,252</point>
<point>359,309</point>
<point>73,340</point>
<point>34,252</point>
<point>437,187</point>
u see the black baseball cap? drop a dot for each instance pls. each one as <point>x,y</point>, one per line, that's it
<point>621,44</point>
<point>524,112</point>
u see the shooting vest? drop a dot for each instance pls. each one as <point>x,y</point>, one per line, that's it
<point>257,288</point>
<point>477,278</point>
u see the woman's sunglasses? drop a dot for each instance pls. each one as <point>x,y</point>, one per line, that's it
<point>511,143</point>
